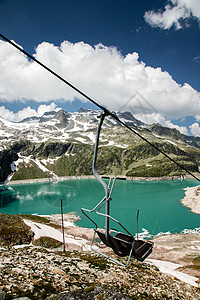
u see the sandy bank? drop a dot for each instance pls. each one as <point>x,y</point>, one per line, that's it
<point>192,199</point>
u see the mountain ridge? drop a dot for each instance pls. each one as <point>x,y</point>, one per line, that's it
<point>61,144</point>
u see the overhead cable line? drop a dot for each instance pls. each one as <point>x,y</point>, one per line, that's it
<point>106,111</point>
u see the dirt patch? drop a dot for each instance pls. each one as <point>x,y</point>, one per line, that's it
<point>182,249</point>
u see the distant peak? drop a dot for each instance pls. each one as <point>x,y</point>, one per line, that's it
<point>127,115</point>
<point>29,119</point>
<point>47,113</point>
<point>62,116</point>
<point>84,110</point>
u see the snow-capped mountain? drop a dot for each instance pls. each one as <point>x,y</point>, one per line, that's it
<point>61,144</point>
<point>61,126</point>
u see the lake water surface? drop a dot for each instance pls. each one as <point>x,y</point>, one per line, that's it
<point>158,201</point>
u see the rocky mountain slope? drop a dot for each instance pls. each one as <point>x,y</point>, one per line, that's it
<point>43,271</point>
<point>38,273</point>
<point>13,231</point>
<point>61,144</point>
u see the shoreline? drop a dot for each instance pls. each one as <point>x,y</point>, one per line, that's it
<point>63,178</point>
<point>51,179</point>
<point>192,199</point>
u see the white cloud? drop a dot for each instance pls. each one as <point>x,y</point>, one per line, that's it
<point>173,14</point>
<point>26,112</point>
<point>168,18</point>
<point>100,72</point>
<point>195,129</point>
<point>191,5</point>
<point>182,129</point>
<point>197,117</point>
<point>158,118</point>
<point>197,59</point>
<point>45,108</point>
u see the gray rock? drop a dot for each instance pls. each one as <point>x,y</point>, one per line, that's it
<point>2,295</point>
<point>22,298</point>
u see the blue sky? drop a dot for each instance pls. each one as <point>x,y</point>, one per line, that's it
<point>147,60</point>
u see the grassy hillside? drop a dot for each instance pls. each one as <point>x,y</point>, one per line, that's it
<point>120,153</point>
<point>138,160</point>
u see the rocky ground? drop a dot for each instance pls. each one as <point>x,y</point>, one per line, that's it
<point>38,273</point>
<point>42,270</point>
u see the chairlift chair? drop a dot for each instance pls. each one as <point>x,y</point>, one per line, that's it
<point>122,243</point>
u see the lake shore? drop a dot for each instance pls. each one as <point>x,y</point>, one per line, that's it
<point>40,180</point>
<point>63,178</point>
<point>192,199</point>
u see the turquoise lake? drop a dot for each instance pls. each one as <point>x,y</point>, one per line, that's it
<point>158,201</point>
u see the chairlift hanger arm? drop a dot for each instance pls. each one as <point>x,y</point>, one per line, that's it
<point>105,110</point>
<point>122,243</point>
<point>106,189</point>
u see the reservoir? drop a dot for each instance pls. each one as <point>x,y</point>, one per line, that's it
<point>160,209</point>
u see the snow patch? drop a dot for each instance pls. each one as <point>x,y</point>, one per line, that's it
<point>45,230</point>
<point>191,231</point>
<point>49,160</point>
<point>80,139</point>
<point>170,142</point>
<point>170,268</point>
<point>158,136</point>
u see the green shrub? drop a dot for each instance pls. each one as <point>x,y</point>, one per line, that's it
<point>47,242</point>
